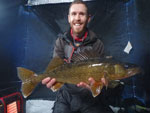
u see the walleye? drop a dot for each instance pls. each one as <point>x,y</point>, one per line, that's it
<point>76,72</point>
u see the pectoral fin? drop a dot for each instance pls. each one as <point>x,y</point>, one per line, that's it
<point>96,88</point>
<point>57,86</point>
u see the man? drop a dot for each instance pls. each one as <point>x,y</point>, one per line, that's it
<point>77,98</point>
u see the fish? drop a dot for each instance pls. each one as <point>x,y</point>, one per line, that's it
<point>79,70</point>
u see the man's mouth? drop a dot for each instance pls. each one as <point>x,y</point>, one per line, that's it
<point>77,24</point>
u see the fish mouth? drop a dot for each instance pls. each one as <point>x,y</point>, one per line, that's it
<point>134,71</point>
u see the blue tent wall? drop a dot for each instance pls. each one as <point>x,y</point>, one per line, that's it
<point>28,34</point>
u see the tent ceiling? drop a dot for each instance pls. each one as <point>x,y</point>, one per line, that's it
<point>41,2</point>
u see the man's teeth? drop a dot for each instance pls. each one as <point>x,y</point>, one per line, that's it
<point>77,24</point>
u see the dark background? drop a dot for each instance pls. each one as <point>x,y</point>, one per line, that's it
<point>28,34</point>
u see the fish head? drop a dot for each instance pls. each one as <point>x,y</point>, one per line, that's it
<point>119,70</point>
<point>133,71</point>
<point>126,70</point>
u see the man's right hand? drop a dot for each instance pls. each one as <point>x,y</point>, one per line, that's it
<point>49,82</point>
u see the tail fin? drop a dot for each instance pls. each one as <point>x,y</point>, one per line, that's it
<point>26,77</point>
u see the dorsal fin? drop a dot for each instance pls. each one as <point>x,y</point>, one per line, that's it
<point>87,54</point>
<point>54,63</point>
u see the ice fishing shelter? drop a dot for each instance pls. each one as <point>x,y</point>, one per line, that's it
<point>28,30</point>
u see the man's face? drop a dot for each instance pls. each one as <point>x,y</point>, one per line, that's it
<point>78,18</point>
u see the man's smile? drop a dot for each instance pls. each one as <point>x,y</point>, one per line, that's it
<point>77,24</point>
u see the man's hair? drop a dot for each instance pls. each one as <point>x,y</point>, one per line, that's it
<point>79,2</point>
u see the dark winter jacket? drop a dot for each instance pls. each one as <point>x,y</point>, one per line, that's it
<point>65,47</point>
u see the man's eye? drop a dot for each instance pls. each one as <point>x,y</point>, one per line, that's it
<point>82,14</point>
<point>73,13</point>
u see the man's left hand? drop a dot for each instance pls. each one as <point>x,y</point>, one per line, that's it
<point>91,82</point>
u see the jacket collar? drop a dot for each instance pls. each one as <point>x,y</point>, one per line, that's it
<point>91,37</point>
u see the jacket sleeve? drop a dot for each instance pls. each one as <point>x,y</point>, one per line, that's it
<point>59,48</point>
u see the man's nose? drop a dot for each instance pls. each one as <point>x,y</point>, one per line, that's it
<point>77,17</point>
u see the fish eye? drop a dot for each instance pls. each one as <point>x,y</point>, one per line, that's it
<point>126,66</point>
